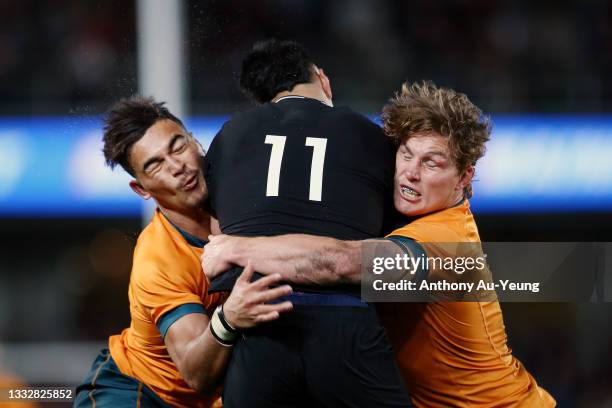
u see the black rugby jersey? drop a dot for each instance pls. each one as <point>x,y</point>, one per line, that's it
<point>299,166</point>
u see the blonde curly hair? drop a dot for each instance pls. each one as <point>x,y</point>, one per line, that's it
<point>424,107</point>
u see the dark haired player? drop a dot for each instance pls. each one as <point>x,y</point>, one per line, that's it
<point>175,351</point>
<point>297,164</point>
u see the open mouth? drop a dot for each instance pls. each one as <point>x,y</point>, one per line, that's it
<point>191,182</point>
<point>409,192</point>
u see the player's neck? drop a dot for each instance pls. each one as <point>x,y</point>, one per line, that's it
<point>195,222</point>
<point>456,199</point>
<point>308,90</point>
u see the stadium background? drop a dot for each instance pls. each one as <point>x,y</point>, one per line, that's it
<point>69,225</point>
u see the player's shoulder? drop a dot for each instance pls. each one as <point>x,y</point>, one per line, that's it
<point>156,251</point>
<point>147,258</point>
<point>349,113</point>
<point>424,231</point>
<point>455,224</point>
<point>249,117</point>
<point>363,134</point>
<point>266,112</point>
<point>151,238</point>
<point>350,117</point>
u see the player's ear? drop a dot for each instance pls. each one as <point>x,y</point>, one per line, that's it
<point>466,178</point>
<point>325,83</point>
<point>139,189</point>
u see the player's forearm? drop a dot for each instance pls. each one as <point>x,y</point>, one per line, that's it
<point>204,363</point>
<point>301,259</point>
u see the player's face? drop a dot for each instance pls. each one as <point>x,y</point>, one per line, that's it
<point>426,178</point>
<point>166,161</point>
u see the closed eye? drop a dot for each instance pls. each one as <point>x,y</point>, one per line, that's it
<point>179,147</point>
<point>152,166</point>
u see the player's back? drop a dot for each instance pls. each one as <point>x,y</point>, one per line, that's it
<point>300,166</point>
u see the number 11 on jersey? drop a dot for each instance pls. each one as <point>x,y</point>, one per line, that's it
<point>316,168</point>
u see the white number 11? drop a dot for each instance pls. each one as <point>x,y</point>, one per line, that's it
<point>316,168</point>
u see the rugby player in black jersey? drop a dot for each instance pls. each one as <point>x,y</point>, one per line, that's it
<point>296,164</point>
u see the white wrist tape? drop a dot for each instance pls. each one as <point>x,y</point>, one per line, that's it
<point>219,331</point>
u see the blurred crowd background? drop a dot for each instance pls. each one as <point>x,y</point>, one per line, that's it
<point>518,56</point>
<point>63,279</point>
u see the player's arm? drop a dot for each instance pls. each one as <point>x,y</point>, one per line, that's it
<point>200,347</point>
<point>300,259</point>
<point>308,259</point>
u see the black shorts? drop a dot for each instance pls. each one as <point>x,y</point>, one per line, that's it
<point>316,356</point>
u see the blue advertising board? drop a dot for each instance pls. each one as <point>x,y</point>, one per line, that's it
<point>53,166</point>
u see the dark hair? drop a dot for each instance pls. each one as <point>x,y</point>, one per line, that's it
<point>424,107</point>
<point>125,123</point>
<point>274,66</point>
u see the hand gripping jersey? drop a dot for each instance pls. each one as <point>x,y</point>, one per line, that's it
<point>166,283</point>
<point>455,353</point>
<point>299,166</point>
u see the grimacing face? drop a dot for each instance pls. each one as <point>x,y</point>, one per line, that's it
<point>426,177</point>
<point>166,161</point>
